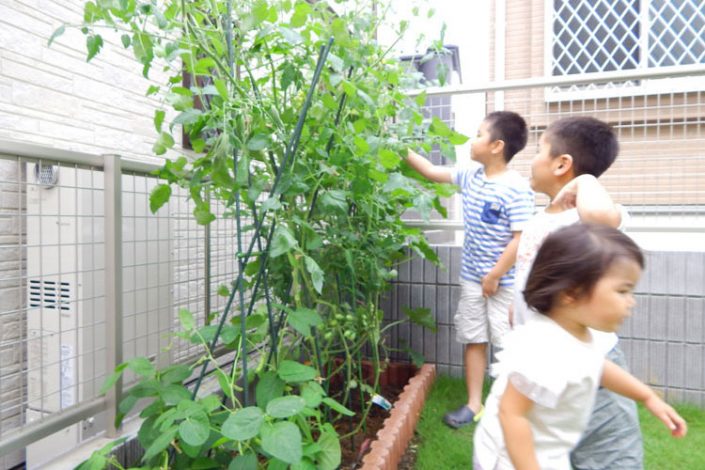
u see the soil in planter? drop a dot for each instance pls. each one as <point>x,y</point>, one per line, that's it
<point>354,448</point>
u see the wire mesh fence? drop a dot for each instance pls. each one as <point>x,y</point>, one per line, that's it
<point>659,173</point>
<point>53,327</point>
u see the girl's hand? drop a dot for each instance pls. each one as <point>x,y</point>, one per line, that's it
<point>667,415</point>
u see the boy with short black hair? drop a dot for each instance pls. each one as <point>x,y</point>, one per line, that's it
<point>573,152</point>
<point>496,203</point>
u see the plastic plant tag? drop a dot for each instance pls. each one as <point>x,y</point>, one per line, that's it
<point>382,402</point>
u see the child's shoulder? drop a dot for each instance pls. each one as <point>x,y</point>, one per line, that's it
<point>513,179</point>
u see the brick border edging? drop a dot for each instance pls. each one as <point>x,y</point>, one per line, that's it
<point>386,451</point>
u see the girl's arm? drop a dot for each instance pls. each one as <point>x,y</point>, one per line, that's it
<point>620,381</point>
<point>428,170</point>
<point>519,440</point>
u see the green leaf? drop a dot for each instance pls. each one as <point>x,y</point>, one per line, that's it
<point>316,273</point>
<point>158,197</point>
<point>95,462</point>
<point>195,430</point>
<point>312,393</point>
<point>160,443</point>
<point>423,203</point>
<point>164,142</point>
<point>225,386</point>
<point>113,378</point>
<point>203,215</point>
<point>439,127</point>
<point>175,374</point>
<point>420,316</point>
<point>204,65</point>
<point>58,32</point>
<point>282,242</point>
<point>186,319</point>
<point>158,119</point>
<point>127,404</point>
<point>457,138</point>
<point>222,88</point>
<point>260,11</point>
<point>330,455</point>
<point>244,462</point>
<point>334,199</point>
<point>362,146</point>
<point>303,319</point>
<point>126,40</point>
<point>338,407</point>
<point>152,90</point>
<point>269,387</point>
<point>283,441</point>
<point>141,366</point>
<point>223,290</point>
<point>389,159</point>
<point>284,407</point>
<point>420,99</point>
<point>291,36</point>
<point>293,372</point>
<point>172,394</point>
<point>244,424</point>
<point>94,42</point>
<point>258,142</point>
<point>187,117</point>
<point>416,358</point>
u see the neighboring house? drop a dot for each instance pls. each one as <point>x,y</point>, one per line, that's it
<point>660,122</point>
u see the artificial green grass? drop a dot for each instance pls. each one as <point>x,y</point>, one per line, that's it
<point>440,447</point>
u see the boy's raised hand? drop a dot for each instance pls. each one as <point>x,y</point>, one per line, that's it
<point>667,415</point>
<point>592,200</point>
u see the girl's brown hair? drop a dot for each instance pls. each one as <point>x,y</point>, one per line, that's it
<point>573,259</point>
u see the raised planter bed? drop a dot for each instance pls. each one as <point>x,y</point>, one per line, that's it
<point>392,440</point>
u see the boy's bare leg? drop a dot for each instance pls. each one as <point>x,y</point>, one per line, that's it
<point>475,364</point>
<point>469,413</point>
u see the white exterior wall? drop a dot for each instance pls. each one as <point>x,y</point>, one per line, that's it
<point>51,96</point>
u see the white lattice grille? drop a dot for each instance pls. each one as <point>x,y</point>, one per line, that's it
<point>595,36</point>
<point>591,36</point>
<point>676,32</point>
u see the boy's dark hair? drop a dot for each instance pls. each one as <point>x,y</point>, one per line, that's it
<point>573,259</point>
<point>590,142</point>
<point>510,128</point>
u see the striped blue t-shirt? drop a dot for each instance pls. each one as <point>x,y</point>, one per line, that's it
<point>492,210</point>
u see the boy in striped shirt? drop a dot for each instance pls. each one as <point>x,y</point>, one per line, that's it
<point>497,202</point>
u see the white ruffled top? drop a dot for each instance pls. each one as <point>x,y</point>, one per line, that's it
<point>560,374</point>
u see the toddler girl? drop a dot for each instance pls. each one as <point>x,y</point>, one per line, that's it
<point>582,281</point>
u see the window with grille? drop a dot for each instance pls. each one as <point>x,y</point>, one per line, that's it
<point>589,36</point>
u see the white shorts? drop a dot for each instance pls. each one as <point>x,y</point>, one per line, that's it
<point>479,319</point>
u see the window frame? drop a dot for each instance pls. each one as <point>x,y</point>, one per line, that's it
<point>643,87</point>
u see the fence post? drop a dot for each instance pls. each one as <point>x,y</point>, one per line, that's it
<point>207,267</point>
<point>113,282</point>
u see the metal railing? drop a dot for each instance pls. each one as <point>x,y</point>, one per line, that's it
<point>89,277</point>
<point>659,118</point>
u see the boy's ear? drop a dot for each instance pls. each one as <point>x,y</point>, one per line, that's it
<point>562,164</point>
<point>497,146</point>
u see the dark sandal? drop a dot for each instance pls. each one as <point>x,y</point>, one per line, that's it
<point>462,417</point>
